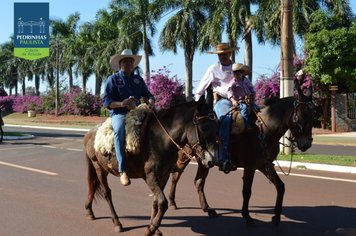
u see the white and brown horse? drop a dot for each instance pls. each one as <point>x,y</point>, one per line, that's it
<point>193,124</point>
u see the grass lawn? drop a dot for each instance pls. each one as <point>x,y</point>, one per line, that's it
<point>322,159</point>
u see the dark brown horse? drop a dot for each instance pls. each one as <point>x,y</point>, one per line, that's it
<point>257,150</point>
<point>193,124</point>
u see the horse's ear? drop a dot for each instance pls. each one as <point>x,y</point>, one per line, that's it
<point>201,100</point>
<point>304,94</point>
<point>209,96</point>
<point>298,85</point>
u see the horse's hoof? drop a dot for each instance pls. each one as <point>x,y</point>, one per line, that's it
<point>212,213</point>
<point>90,217</point>
<point>148,231</point>
<point>250,222</point>
<point>173,207</point>
<point>158,233</point>
<point>276,220</point>
<point>118,228</point>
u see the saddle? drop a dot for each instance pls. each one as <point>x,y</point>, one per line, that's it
<point>238,124</point>
<point>135,124</point>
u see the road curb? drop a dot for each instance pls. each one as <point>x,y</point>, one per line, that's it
<point>315,166</point>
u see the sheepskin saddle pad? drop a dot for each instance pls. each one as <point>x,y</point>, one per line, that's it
<point>134,126</point>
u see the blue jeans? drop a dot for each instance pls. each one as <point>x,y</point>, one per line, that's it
<point>118,124</point>
<point>244,112</point>
<point>222,110</point>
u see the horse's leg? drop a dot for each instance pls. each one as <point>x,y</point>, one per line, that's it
<point>172,193</point>
<point>160,203</point>
<point>93,185</point>
<point>199,182</point>
<point>246,193</point>
<point>106,193</point>
<point>1,134</point>
<point>279,185</point>
<point>181,164</point>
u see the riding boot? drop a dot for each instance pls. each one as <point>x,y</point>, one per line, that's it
<point>124,179</point>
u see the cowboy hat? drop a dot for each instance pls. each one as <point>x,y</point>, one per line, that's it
<point>127,53</point>
<point>223,48</point>
<point>241,67</point>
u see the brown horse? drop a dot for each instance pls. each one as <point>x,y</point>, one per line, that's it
<point>193,124</point>
<point>258,149</point>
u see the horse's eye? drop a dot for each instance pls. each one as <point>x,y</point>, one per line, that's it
<point>205,128</point>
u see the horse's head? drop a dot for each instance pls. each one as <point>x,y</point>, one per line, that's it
<point>203,137</point>
<point>302,117</point>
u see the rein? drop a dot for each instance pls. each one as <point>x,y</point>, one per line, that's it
<point>187,146</point>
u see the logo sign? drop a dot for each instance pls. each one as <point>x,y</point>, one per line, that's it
<point>31,30</point>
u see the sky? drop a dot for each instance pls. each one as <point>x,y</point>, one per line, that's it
<point>265,57</point>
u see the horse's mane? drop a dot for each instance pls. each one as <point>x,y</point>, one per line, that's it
<point>165,111</point>
<point>270,101</point>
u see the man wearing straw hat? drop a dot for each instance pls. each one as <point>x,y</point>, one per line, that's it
<point>218,76</point>
<point>123,90</point>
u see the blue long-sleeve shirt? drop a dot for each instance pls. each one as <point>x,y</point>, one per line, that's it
<point>119,87</point>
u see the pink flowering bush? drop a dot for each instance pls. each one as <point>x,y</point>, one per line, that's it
<point>24,103</point>
<point>78,103</point>
<point>269,86</point>
<point>167,90</point>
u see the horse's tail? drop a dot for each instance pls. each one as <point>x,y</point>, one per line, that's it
<point>93,180</point>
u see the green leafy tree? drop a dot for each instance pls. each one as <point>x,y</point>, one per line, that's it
<point>331,53</point>
<point>267,22</point>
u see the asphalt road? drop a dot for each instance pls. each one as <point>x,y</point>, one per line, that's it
<point>43,189</point>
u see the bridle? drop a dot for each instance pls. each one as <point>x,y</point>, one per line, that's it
<point>296,127</point>
<point>295,118</point>
<point>195,150</point>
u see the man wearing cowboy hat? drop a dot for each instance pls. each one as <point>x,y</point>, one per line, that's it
<point>123,90</point>
<point>241,91</point>
<point>218,76</point>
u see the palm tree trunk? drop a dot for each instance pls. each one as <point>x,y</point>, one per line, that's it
<point>37,84</point>
<point>188,56</point>
<point>70,78</point>
<point>23,86</point>
<point>98,82</point>
<point>248,60</point>
<point>248,53</point>
<point>84,83</point>
<point>146,54</point>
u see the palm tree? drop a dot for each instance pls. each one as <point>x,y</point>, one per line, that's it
<point>66,33</point>
<point>137,25</point>
<point>184,29</point>
<point>83,59</point>
<point>105,45</point>
<point>7,67</point>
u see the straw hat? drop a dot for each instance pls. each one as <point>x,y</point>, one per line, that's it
<point>223,48</point>
<point>127,53</point>
<point>241,67</point>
